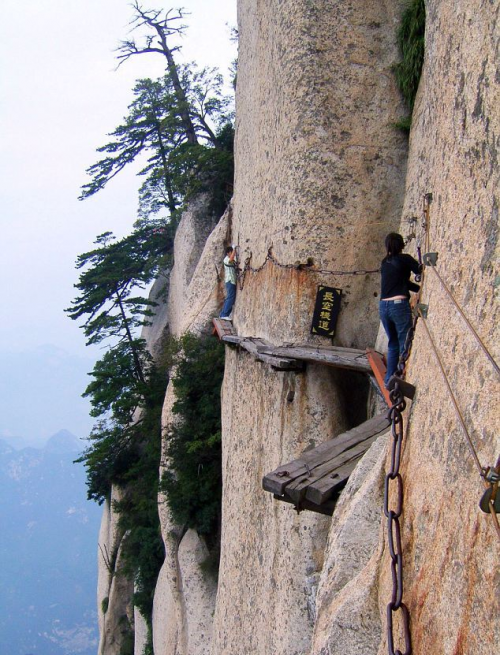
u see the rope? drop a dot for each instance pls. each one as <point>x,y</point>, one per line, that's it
<point>468,323</point>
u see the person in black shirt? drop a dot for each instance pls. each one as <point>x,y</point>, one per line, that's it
<point>395,312</point>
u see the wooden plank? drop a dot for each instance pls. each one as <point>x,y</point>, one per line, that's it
<point>329,474</point>
<point>223,328</point>
<point>282,363</point>
<point>253,345</point>
<point>377,365</point>
<point>342,349</point>
<point>277,481</point>
<point>232,338</point>
<point>320,490</point>
<point>348,358</point>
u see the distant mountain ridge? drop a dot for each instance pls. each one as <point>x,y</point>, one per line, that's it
<point>63,441</point>
<point>47,548</point>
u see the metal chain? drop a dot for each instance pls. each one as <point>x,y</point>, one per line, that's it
<point>395,416</point>
<point>308,266</point>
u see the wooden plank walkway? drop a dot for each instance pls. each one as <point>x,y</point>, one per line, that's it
<point>254,346</point>
<point>223,328</point>
<point>278,356</point>
<point>227,334</point>
<point>348,358</point>
<point>315,479</point>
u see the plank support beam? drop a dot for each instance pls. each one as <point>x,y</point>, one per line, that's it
<point>315,480</point>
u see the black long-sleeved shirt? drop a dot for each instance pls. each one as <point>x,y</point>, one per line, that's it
<point>396,274</point>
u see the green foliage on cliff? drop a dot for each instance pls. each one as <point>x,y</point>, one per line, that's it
<point>125,378</point>
<point>182,160</point>
<point>143,551</point>
<point>193,483</point>
<point>411,40</point>
<point>111,273</point>
<point>181,127</point>
<point>126,395</point>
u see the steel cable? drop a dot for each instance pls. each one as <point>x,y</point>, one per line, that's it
<point>453,399</point>
<point>468,323</point>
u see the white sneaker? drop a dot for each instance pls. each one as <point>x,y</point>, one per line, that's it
<point>225,318</point>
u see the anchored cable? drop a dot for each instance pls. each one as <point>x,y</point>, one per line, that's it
<point>468,323</point>
<point>452,396</point>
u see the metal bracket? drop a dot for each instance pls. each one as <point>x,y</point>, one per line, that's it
<point>491,475</point>
<point>485,502</point>
<point>407,389</point>
<point>430,258</point>
<point>422,310</point>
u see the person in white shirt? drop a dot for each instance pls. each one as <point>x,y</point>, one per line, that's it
<point>230,282</point>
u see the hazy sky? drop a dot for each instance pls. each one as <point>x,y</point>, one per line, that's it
<point>59,97</point>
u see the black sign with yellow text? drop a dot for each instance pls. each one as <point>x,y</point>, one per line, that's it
<point>326,311</point>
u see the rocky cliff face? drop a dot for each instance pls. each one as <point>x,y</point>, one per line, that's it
<point>319,173</point>
<point>319,167</point>
<point>114,591</point>
<point>451,548</point>
<point>322,173</point>
<point>185,597</point>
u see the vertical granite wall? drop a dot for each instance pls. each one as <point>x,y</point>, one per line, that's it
<point>319,173</point>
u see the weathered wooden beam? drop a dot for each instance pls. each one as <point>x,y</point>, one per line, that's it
<point>253,345</point>
<point>232,338</point>
<point>223,328</point>
<point>323,488</point>
<point>326,477</point>
<point>348,358</point>
<point>278,480</point>
<point>304,468</point>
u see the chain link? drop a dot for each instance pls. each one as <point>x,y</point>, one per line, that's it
<point>394,480</point>
<point>308,266</point>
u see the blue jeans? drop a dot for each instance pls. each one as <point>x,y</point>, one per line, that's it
<point>230,298</point>
<point>395,316</point>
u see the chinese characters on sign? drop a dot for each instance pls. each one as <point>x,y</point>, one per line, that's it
<point>326,311</point>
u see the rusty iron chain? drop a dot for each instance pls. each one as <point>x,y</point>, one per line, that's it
<point>395,416</point>
<point>297,266</point>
